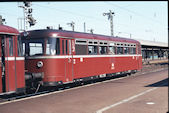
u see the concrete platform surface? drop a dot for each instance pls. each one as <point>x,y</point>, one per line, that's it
<point>146,93</point>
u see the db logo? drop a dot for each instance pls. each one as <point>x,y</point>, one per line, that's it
<point>112,66</point>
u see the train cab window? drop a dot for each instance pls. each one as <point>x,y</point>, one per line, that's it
<point>11,46</point>
<point>126,50</point>
<point>112,50</point>
<point>35,48</point>
<point>102,50</point>
<point>119,50</point>
<point>92,49</point>
<point>53,46</point>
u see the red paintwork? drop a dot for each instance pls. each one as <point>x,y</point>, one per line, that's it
<point>8,30</point>
<point>20,72</point>
<point>14,69</point>
<point>63,69</point>
<point>10,75</point>
<point>60,69</point>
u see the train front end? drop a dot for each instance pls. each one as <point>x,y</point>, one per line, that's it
<point>42,56</point>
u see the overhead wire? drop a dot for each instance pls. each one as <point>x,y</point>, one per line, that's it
<point>135,13</point>
<point>78,14</point>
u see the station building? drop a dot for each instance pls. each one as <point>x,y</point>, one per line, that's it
<point>152,50</point>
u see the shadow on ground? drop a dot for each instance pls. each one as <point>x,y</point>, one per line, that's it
<point>162,83</point>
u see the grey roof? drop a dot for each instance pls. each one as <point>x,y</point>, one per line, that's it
<point>152,43</point>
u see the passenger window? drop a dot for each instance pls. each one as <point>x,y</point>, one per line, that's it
<point>103,50</point>
<point>70,48</point>
<point>119,50</point>
<point>66,47</point>
<point>11,46</point>
<point>132,50</point>
<point>58,46</point>
<point>81,49</point>
<point>112,50</point>
<point>126,50</point>
<point>63,45</point>
<point>92,49</point>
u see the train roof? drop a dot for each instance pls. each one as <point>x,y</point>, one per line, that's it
<point>8,30</point>
<point>63,33</point>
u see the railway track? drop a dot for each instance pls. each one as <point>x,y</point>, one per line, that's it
<point>145,69</point>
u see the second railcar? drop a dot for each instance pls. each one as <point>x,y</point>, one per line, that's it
<point>66,56</point>
<point>12,79</point>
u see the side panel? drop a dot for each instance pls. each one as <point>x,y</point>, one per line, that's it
<point>10,64</point>
<point>20,73</point>
<point>83,66</point>
<point>10,74</point>
<point>95,66</point>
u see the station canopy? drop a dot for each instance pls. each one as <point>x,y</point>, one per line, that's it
<point>152,43</point>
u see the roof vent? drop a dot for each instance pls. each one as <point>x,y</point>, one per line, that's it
<point>60,28</point>
<point>49,27</point>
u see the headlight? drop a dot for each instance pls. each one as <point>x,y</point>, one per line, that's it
<point>39,64</point>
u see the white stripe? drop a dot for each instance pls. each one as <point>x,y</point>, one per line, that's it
<point>77,56</point>
<point>13,58</point>
<point>125,100</point>
<point>20,58</point>
<point>9,58</point>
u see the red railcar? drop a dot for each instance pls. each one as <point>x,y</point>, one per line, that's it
<point>11,61</point>
<point>65,56</point>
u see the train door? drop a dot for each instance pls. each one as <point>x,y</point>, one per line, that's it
<point>67,51</point>
<point>7,71</point>
<point>2,64</point>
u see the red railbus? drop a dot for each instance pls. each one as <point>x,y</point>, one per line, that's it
<point>12,77</point>
<point>66,56</point>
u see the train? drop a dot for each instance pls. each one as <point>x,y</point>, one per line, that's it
<point>51,57</point>
<point>67,56</point>
<point>11,61</point>
<point>13,77</point>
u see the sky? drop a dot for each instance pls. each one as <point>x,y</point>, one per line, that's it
<point>146,20</point>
